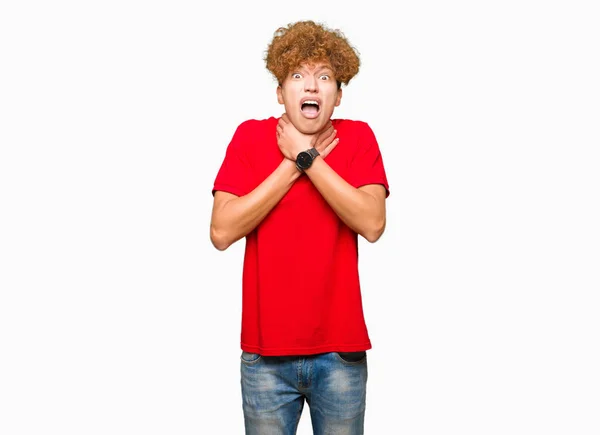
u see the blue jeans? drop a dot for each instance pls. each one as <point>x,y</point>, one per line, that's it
<point>274,389</point>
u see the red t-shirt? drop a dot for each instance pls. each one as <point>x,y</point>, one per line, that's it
<point>301,291</point>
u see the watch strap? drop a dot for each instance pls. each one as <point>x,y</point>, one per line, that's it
<point>313,152</point>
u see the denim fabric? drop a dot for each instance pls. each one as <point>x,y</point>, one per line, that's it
<point>333,385</point>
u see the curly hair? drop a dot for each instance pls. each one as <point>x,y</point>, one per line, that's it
<point>309,42</point>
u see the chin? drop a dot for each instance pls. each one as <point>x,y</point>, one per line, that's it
<point>308,130</point>
<point>311,127</point>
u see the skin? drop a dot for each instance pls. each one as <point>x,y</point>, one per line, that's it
<point>314,82</point>
<point>362,209</point>
<point>233,217</point>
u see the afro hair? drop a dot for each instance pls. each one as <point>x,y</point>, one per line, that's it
<point>309,42</point>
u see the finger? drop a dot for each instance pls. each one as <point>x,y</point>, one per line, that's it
<point>325,138</point>
<point>330,147</point>
<point>284,117</point>
<point>325,132</point>
<point>328,139</point>
<point>331,135</point>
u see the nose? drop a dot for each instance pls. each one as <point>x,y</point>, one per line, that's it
<point>310,84</point>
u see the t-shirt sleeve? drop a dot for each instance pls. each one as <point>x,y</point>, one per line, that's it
<point>235,174</point>
<point>367,164</point>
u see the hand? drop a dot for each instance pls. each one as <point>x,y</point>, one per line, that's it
<point>325,141</point>
<point>291,142</point>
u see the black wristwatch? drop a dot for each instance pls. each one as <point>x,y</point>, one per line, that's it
<point>305,159</point>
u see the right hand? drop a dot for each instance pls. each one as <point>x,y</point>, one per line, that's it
<point>325,141</point>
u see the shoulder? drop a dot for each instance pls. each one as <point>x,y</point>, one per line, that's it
<point>357,133</point>
<point>256,125</point>
<point>252,131</point>
<point>351,125</point>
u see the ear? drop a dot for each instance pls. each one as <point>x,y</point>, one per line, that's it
<point>279,95</point>
<point>339,98</point>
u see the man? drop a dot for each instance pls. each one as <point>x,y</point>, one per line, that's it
<point>301,189</point>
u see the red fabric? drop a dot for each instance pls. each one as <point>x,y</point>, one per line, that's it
<point>301,290</point>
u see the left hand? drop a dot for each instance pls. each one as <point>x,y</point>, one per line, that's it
<point>291,142</point>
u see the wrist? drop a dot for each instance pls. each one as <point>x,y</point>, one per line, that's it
<point>290,167</point>
<point>314,163</point>
<point>305,158</point>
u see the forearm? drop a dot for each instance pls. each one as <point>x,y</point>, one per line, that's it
<point>357,209</point>
<point>240,215</point>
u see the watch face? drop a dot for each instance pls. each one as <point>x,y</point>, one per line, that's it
<point>304,160</point>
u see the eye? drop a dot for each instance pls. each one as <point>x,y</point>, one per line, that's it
<point>296,76</point>
<point>324,77</point>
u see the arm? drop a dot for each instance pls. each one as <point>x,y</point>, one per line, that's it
<point>362,209</point>
<point>233,217</point>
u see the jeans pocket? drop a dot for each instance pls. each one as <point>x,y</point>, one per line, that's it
<point>352,357</point>
<point>250,358</point>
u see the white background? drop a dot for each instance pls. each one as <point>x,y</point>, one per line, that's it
<point>117,316</point>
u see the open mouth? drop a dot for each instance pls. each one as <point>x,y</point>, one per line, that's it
<point>310,108</point>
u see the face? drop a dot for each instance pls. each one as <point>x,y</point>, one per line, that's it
<point>309,94</point>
